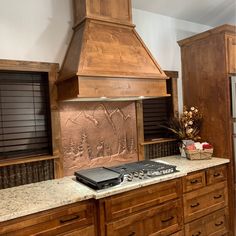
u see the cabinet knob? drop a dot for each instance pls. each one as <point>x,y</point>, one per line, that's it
<point>197,234</point>
<point>216,174</point>
<point>219,224</point>
<point>75,217</point>
<point>132,234</point>
<point>168,219</point>
<point>195,205</point>
<point>218,196</point>
<point>194,181</point>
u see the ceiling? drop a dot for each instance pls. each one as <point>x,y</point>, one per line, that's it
<point>207,12</point>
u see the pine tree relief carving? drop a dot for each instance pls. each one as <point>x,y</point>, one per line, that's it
<point>97,134</point>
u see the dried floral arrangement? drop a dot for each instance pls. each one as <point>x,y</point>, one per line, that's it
<point>187,125</point>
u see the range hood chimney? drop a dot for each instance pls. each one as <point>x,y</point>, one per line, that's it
<point>106,57</point>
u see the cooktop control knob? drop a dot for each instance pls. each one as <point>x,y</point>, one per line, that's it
<point>141,174</point>
<point>136,174</point>
<point>129,177</point>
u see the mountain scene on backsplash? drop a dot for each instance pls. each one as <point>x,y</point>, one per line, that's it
<point>97,134</point>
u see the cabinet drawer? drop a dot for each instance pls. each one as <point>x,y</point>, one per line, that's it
<point>231,54</point>
<point>162,220</point>
<point>51,222</point>
<point>142,198</point>
<point>194,181</point>
<point>213,224</point>
<point>88,231</point>
<point>204,201</point>
<point>216,174</point>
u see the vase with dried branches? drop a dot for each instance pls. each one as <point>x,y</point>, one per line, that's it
<point>186,127</point>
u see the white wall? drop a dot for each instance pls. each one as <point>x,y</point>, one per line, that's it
<point>160,34</point>
<point>35,30</point>
<point>40,30</point>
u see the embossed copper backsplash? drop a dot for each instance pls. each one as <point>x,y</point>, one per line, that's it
<point>97,134</point>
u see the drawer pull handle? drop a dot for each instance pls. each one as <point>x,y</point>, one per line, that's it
<point>69,219</point>
<point>197,234</point>
<point>219,224</point>
<point>195,205</point>
<point>194,181</point>
<point>169,219</point>
<point>131,234</point>
<point>216,174</point>
<point>217,197</point>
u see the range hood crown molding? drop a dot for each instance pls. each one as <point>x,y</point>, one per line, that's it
<point>106,54</point>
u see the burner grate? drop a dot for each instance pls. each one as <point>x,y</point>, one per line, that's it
<point>146,166</point>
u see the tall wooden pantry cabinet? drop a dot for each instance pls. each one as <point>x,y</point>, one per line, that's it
<point>208,66</point>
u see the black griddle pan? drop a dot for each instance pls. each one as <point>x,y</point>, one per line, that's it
<point>99,178</point>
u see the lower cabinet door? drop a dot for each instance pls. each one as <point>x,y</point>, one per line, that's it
<point>215,224</point>
<point>162,220</point>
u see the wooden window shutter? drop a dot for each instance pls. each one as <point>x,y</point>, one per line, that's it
<point>25,128</point>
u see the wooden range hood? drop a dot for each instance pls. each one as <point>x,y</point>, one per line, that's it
<point>106,57</point>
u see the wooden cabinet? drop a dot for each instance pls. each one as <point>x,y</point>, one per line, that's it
<point>152,210</point>
<point>208,62</point>
<point>75,219</point>
<point>198,200</point>
<point>231,46</point>
<point>206,84</point>
<point>206,202</point>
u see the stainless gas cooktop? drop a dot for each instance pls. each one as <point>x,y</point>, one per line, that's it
<point>102,177</point>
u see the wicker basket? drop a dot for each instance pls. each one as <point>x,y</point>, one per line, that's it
<point>199,154</point>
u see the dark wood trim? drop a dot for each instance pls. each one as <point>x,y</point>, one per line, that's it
<point>159,140</point>
<point>27,160</point>
<point>18,65</point>
<point>140,130</point>
<point>230,29</point>
<point>172,74</point>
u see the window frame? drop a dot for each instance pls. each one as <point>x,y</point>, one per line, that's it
<point>52,70</point>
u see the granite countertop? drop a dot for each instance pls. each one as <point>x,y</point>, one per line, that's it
<point>32,198</point>
<point>188,166</point>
